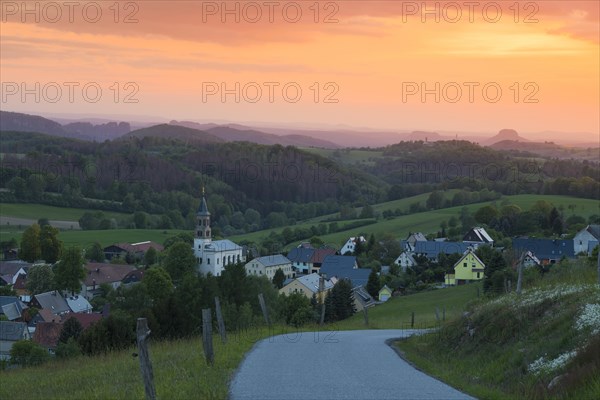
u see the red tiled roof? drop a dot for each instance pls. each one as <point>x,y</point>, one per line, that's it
<point>98,273</point>
<point>140,247</point>
<point>48,316</point>
<point>85,320</point>
<point>47,334</point>
<point>320,254</point>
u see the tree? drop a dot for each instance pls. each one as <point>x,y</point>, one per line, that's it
<point>486,213</point>
<point>179,260</point>
<point>69,349</point>
<point>71,329</point>
<point>373,284</point>
<point>151,257</point>
<point>339,303</point>
<point>435,200</point>
<point>367,212</point>
<point>40,279</point>
<point>50,245</point>
<point>95,252</point>
<point>158,282</point>
<point>30,244</point>
<point>69,271</point>
<point>278,278</point>
<point>26,353</point>
<point>316,242</point>
<point>297,310</point>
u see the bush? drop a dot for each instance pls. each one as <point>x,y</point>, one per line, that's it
<point>27,353</point>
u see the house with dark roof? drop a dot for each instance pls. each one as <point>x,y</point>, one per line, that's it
<point>99,273</point>
<point>11,307</point>
<point>137,250</point>
<point>319,256</point>
<point>478,236</point>
<point>468,268</point>
<point>410,242</point>
<point>350,246</point>
<point>362,298</point>
<point>10,270</point>
<point>47,334</point>
<point>301,257</point>
<point>10,333</point>
<point>345,267</point>
<point>268,265</point>
<point>590,233</point>
<point>432,249</point>
<point>547,251</point>
<point>52,301</point>
<point>79,304</point>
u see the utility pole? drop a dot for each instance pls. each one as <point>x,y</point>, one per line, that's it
<point>322,296</point>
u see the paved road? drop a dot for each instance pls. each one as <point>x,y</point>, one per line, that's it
<point>345,365</point>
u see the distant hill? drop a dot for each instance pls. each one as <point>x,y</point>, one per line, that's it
<point>18,122</point>
<point>181,133</point>
<point>524,146</point>
<point>504,135</point>
<point>425,136</point>
<point>240,133</point>
<point>100,132</point>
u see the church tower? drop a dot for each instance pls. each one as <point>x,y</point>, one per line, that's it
<point>203,221</point>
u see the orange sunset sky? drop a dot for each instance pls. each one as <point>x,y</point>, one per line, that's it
<point>544,56</point>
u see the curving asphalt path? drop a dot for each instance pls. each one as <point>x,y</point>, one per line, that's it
<point>344,365</point>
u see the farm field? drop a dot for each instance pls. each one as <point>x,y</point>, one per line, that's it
<point>37,211</point>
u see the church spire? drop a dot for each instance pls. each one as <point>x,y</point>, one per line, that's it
<point>203,220</point>
<point>203,209</point>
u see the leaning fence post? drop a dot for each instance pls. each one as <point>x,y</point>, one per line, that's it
<point>220,322</point>
<point>263,306</point>
<point>207,341</point>
<point>412,320</point>
<point>366,314</point>
<point>145,364</point>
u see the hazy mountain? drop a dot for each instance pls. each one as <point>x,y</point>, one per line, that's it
<point>11,121</point>
<point>504,135</point>
<point>101,132</point>
<point>241,133</point>
<point>181,133</point>
<point>425,136</point>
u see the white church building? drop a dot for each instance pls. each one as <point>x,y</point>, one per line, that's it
<point>213,255</point>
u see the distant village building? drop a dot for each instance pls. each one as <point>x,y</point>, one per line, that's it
<point>213,256</point>
<point>101,273</point>
<point>547,251</point>
<point>137,250</point>
<point>308,260</point>
<point>583,238</point>
<point>412,239</point>
<point>385,293</point>
<point>10,333</point>
<point>405,260</point>
<point>268,266</point>
<point>478,236</point>
<point>350,245</point>
<point>308,285</point>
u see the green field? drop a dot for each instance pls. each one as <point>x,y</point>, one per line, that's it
<point>104,237</point>
<point>396,313</point>
<point>37,211</point>
<point>347,156</point>
<point>429,221</point>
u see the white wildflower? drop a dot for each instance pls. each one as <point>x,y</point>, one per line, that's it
<point>542,365</point>
<point>589,318</point>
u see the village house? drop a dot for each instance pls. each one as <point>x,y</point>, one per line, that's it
<point>345,267</point>
<point>268,265</point>
<point>547,251</point>
<point>467,269</point>
<point>47,334</point>
<point>405,260</point>
<point>308,285</point>
<point>79,304</point>
<point>10,271</point>
<point>362,298</point>
<point>135,250</point>
<point>478,236</point>
<point>12,307</point>
<point>384,293</point>
<point>432,249</point>
<point>213,256</point>
<point>581,241</point>
<point>301,257</point>
<point>410,242</point>
<point>10,333</point>
<point>350,246</point>
<point>51,301</point>
<point>530,260</point>
<point>100,273</point>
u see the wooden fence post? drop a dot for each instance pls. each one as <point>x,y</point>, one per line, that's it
<point>520,276</point>
<point>437,314</point>
<point>220,322</point>
<point>145,364</point>
<point>322,295</point>
<point>412,320</point>
<point>207,340</point>
<point>444,314</point>
<point>599,267</point>
<point>366,313</point>
<point>263,306</point>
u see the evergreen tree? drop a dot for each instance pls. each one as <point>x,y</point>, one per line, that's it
<point>30,250</point>
<point>373,284</point>
<point>278,278</point>
<point>69,271</point>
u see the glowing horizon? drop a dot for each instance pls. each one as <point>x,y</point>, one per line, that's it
<point>367,61</point>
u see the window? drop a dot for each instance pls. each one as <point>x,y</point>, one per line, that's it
<point>200,260</point>
<point>217,260</point>
<point>465,265</point>
<point>478,275</point>
<point>208,260</point>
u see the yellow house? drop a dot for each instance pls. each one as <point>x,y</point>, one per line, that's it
<point>385,293</point>
<point>469,268</point>
<point>307,285</point>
